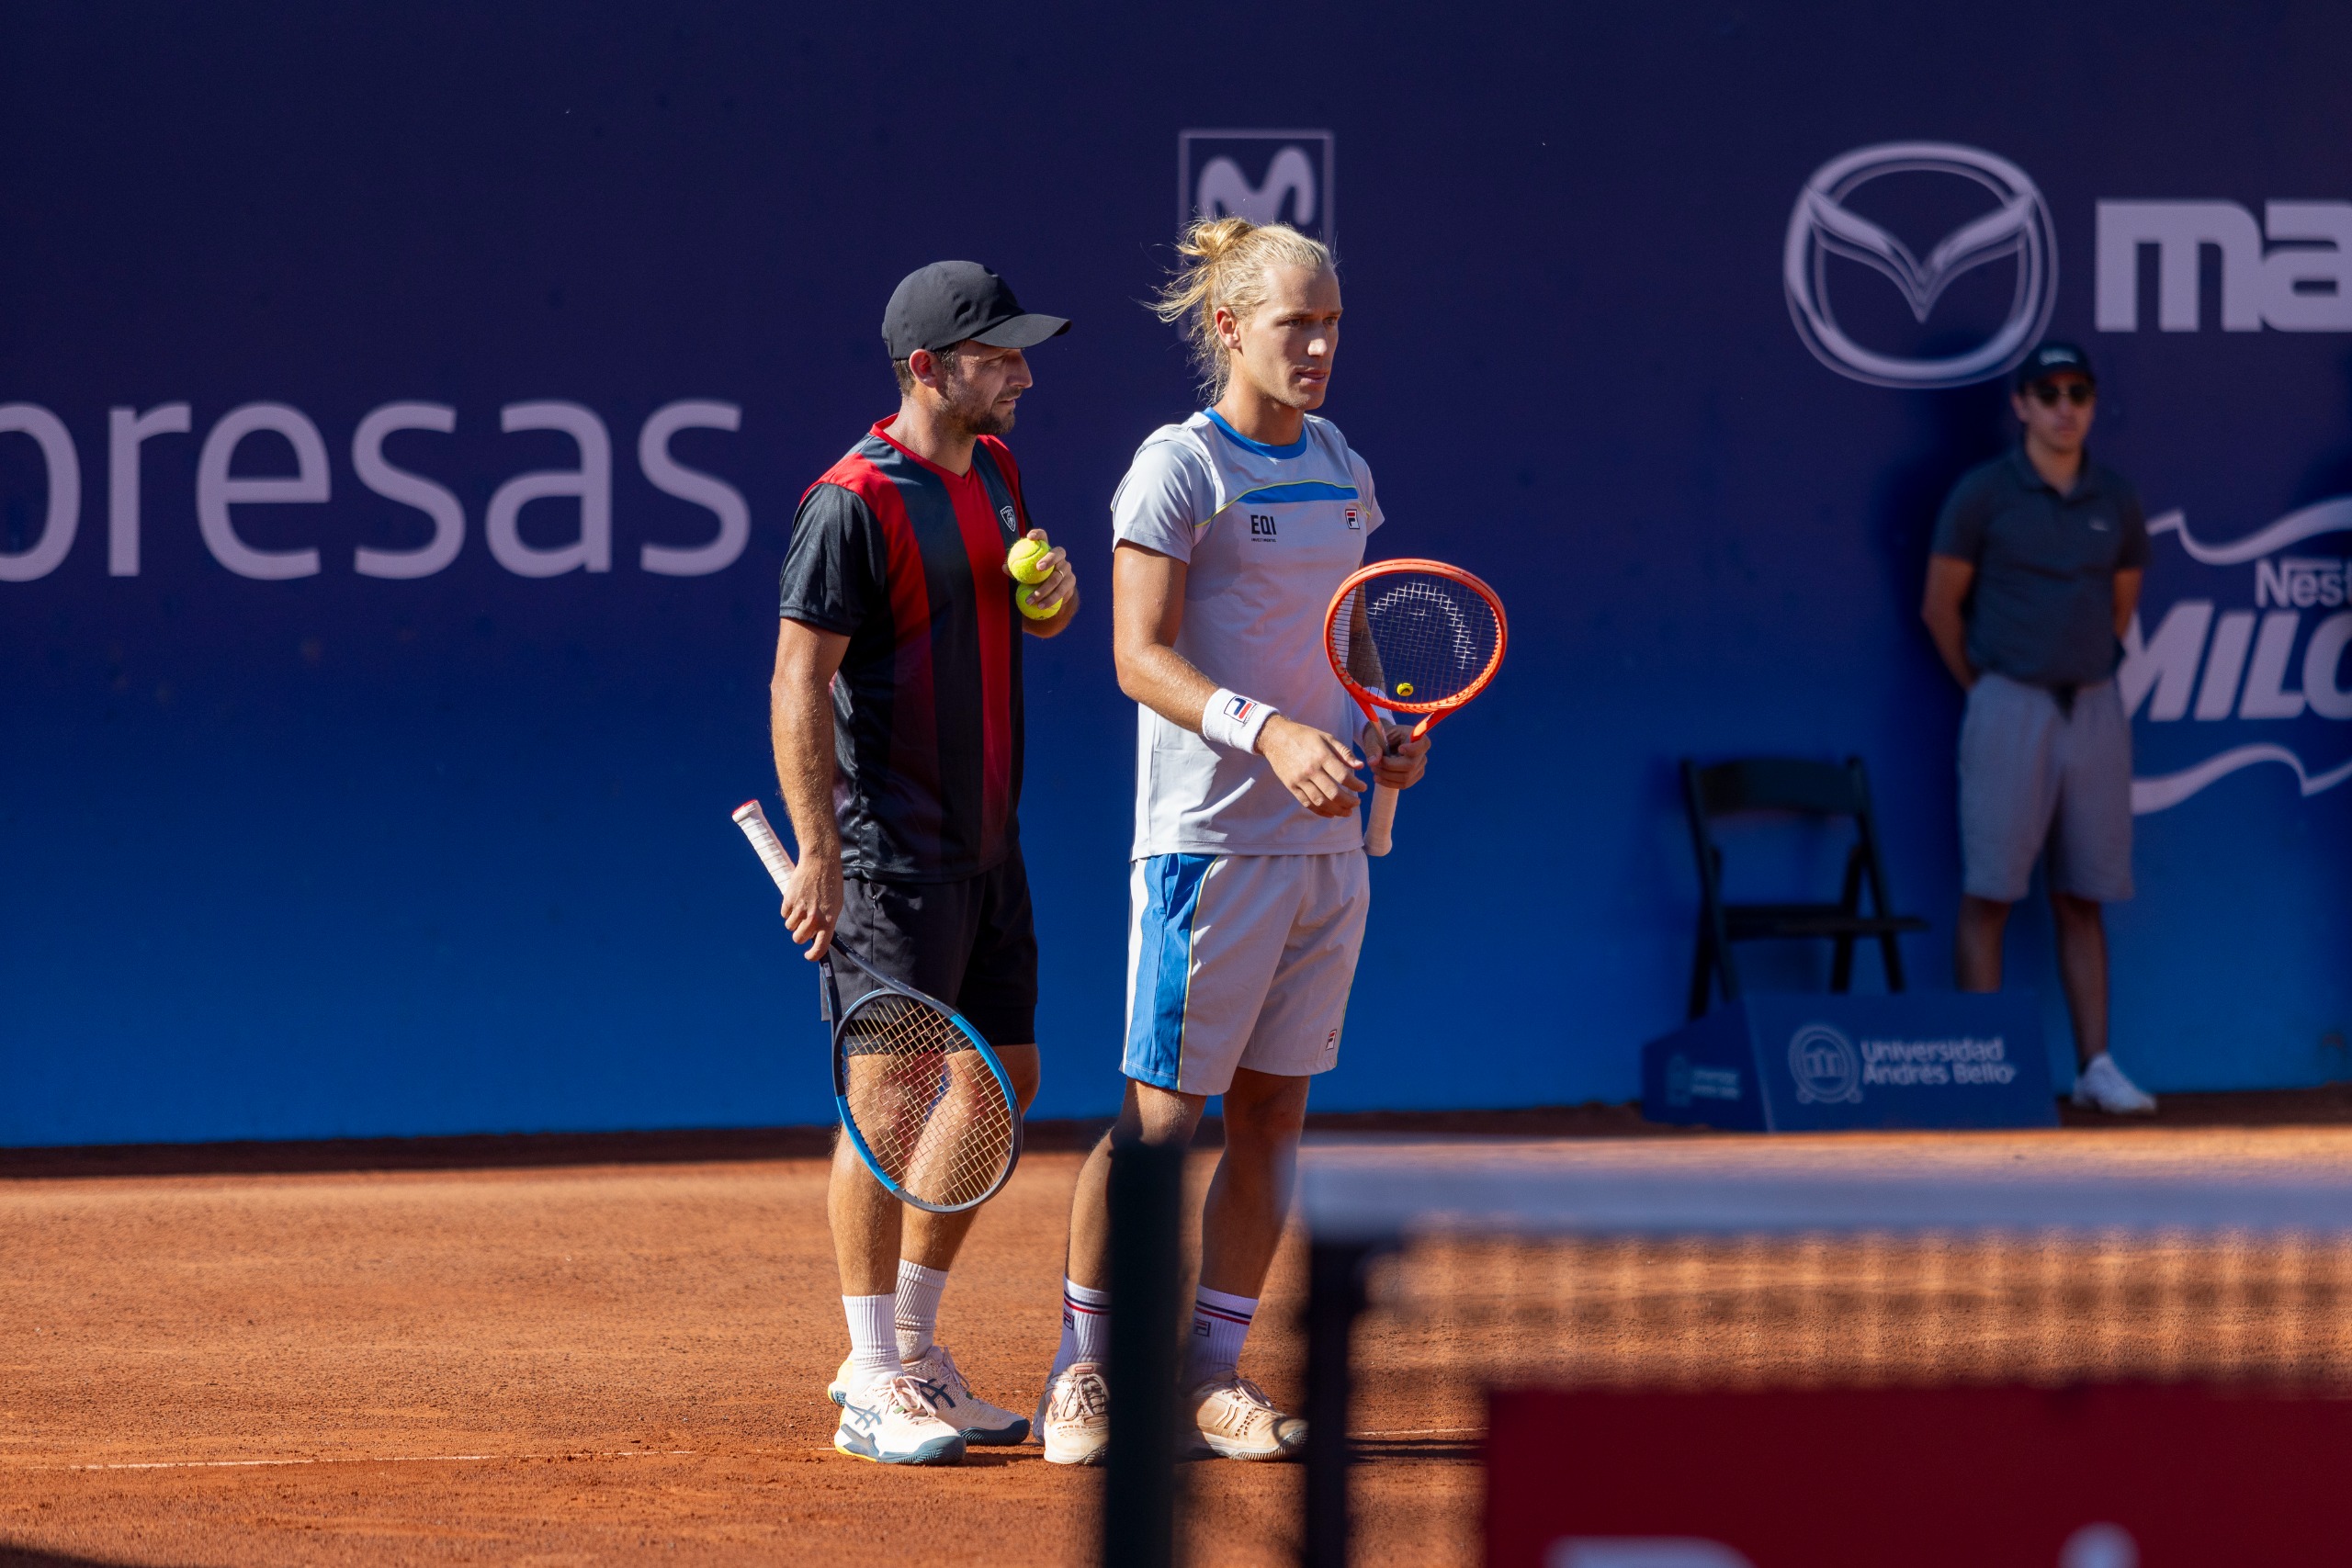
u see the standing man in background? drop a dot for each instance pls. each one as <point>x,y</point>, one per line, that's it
<point>2036,571</point>
<point>896,715</point>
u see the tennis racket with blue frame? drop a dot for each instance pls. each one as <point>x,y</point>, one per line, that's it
<point>923,1099</point>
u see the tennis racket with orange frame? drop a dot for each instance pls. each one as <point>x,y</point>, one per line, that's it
<point>1412,636</point>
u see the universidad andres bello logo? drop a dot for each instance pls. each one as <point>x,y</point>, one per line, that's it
<point>2245,667</point>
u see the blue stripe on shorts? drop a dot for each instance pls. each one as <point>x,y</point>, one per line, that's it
<point>1164,968</point>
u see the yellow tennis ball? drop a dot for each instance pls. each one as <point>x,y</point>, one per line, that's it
<point>1025,561</point>
<point>1404,688</point>
<point>1034,611</point>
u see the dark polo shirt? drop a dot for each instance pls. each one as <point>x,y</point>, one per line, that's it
<point>2042,607</point>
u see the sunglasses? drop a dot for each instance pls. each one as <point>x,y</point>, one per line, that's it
<point>2079,393</point>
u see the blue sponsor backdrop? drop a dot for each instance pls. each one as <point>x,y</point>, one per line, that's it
<point>333,853</point>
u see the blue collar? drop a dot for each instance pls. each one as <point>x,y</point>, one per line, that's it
<point>1293,450</point>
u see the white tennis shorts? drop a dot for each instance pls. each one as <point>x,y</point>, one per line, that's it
<point>1241,961</point>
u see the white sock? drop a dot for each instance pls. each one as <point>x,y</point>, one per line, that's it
<point>873,1338</point>
<point>919,1290</point>
<point>1086,1326</point>
<point>1220,1323</point>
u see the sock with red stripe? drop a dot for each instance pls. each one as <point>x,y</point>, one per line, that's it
<point>1086,1326</point>
<point>1220,1323</point>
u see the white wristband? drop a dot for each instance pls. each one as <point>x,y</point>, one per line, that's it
<point>1231,719</point>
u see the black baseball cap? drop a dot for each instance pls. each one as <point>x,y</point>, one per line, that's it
<point>941,305</point>
<point>2055,358</point>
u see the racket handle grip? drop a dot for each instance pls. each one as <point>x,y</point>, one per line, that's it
<point>1383,813</point>
<point>754,823</point>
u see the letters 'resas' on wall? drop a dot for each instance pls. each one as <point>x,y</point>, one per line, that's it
<point>220,488</point>
<point>1267,176</point>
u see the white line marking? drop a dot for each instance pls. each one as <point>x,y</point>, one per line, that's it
<point>1422,1432</point>
<point>388,1459</point>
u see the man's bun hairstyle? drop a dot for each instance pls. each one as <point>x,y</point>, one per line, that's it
<point>1224,268</point>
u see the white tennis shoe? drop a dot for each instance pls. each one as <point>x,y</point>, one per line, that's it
<point>2103,1086</point>
<point>887,1421</point>
<point>1074,1416</point>
<point>952,1400</point>
<point>1233,1418</point>
<point>950,1397</point>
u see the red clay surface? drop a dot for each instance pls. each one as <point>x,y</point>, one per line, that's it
<point>542,1363</point>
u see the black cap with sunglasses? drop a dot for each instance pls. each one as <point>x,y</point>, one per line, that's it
<point>2053,359</point>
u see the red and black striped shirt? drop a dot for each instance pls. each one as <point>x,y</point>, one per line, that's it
<point>906,561</point>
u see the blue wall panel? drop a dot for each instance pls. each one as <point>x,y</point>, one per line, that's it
<point>337,854</point>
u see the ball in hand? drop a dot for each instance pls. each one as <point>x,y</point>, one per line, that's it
<point>1027,561</point>
<point>1029,607</point>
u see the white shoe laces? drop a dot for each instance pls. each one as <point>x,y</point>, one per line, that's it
<point>1077,1395</point>
<point>938,1366</point>
<point>907,1396</point>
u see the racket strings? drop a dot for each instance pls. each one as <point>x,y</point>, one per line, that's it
<point>934,1117</point>
<point>1416,636</point>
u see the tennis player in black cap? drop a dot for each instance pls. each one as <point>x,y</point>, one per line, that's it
<point>896,716</point>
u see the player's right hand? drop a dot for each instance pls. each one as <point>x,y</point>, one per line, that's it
<point>813,902</point>
<point>1318,768</point>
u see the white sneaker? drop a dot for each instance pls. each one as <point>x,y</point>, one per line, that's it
<point>2103,1086</point>
<point>887,1421</point>
<point>950,1398</point>
<point>1233,1418</point>
<point>1074,1416</point>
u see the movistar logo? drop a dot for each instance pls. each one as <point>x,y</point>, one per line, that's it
<point>1267,176</point>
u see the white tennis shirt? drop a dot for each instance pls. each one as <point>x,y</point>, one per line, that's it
<point>1267,534</point>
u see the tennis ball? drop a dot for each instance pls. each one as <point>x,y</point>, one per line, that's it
<point>1404,688</point>
<point>1034,611</point>
<point>1026,560</point>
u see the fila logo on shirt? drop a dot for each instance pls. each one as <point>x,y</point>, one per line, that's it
<point>1261,525</point>
<point>1355,518</point>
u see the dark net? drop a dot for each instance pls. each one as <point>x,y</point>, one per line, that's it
<point>933,1114</point>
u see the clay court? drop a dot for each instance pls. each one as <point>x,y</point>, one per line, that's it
<point>585,1350</point>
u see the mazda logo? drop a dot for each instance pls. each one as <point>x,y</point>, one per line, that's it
<point>1821,226</point>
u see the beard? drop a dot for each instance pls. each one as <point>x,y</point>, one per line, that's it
<point>973,411</point>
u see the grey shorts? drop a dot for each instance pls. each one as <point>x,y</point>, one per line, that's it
<point>2031,777</point>
<point>1241,961</point>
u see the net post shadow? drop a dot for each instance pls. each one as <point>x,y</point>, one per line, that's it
<point>1335,1299</point>
<point>1139,1490</point>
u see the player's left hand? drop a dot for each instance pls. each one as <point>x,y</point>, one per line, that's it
<point>1401,762</point>
<point>1059,588</point>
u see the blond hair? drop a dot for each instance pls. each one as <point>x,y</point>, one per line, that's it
<point>1225,263</point>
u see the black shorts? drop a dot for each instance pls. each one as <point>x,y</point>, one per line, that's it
<point>972,943</point>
